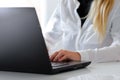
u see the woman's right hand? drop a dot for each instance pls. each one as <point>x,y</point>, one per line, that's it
<point>65,55</point>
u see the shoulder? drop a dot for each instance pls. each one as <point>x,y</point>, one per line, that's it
<point>115,17</point>
<point>69,2</point>
<point>116,9</point>
<point>115,13</point>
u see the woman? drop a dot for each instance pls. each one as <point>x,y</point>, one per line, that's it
<point>97,41</point>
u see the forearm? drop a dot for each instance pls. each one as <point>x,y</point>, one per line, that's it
<point>105,54</point>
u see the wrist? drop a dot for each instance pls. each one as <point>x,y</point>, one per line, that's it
<point>78,56</point>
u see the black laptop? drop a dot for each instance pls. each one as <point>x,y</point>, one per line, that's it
<point>22,46</point>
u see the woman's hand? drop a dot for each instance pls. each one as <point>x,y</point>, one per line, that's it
<point>64,55</point>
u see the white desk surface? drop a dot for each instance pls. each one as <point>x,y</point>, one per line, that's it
<point>99,71</point>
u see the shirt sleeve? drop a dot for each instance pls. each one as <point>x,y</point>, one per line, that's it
<point>53,32</point>
<point>63,27</point>
<point>106,54</point>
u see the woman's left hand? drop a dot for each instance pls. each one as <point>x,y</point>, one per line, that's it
<point>64,55</point>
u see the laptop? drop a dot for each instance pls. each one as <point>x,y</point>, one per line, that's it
<point>22,45</point>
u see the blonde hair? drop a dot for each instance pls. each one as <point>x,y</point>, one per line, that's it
<point>99,13</point>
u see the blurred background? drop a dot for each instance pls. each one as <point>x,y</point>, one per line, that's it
<point>44,7</point>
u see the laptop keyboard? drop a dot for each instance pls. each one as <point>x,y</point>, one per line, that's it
<point>57,64</point>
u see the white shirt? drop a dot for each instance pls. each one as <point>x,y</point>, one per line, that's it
<point>64,32</point>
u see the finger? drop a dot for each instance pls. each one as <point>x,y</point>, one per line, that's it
<point>53,56</point>
<point>62,58</point>
<point>58,56</point>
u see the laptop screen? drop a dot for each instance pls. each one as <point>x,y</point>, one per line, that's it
<point>22,47</point>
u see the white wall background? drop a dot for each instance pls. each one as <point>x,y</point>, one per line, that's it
<point>44,7</point>
<point>50,7</point>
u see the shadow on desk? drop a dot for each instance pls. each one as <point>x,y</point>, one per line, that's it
<point>29,76</point>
